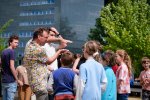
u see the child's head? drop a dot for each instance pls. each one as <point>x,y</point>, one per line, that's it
<point>122,56</point>
<point>108,58</point>
<point>145,63</point>
<point>91,48</point>
<point>67,59</point>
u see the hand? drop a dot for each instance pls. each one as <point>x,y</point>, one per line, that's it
<point>20,83</point>
<point>62,50</point>
<point>62,40</point>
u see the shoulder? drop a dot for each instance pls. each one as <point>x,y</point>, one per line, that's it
<point>142,72</point>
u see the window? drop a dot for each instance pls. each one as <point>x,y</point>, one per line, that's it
<point>33,3</point>
<point>37,12</point>
<point>36,23</point>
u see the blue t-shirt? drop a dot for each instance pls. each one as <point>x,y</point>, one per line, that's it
<point>111,91</point>
<point>93,74</point>
<point>7,55</point>
<point>63,81</point>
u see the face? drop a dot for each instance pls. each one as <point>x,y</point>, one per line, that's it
<point>14,43</point>
<point>146,64</point>
<point>43,38</point>
<point>118,59</point>
<point>84,53</point>
<point>51,37</point>
<point>52,34</point>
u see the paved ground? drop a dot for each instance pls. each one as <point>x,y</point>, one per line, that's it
<point>134,98</point>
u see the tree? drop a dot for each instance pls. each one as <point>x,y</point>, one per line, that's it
<point>2,29</point>
<point>127,24</point>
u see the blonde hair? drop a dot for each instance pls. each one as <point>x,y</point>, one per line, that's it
<point>126,59</point>
<point>93,48</point>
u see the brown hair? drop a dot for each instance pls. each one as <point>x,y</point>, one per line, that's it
<point>144,58</point>
<point>126,59</point>
<point>93,48</point>
<point>109,57</point>
<point>12,37</point>
<point>39,31</point>
<point>67,58</point>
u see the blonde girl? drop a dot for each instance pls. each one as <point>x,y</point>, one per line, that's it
<point>123,74</point>
<point>91,75</point>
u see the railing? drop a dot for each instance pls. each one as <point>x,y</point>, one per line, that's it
<point>137,88</point>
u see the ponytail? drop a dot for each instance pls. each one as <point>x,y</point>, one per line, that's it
<point>127,61</point>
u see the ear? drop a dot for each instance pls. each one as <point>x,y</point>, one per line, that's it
<point>39,36</point>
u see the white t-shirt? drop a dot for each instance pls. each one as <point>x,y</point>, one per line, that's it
<point>50,49</point>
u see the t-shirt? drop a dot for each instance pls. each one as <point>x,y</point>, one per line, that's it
<point>7,55</point>
<point>145,75</point>
<point>50,50</point>
<point>111,91</point>
<point>93,74</point>
<point>63,81</point>
<point>123,75</point>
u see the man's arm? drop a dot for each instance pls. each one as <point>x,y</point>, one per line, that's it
<point>53,58</point>
<point>14,72</point>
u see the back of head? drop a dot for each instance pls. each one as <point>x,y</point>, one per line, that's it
<point>67,58</point>
<point>12,37</point>
<point>109,57</point>
<point>39,31</point>
<point>92,48</point>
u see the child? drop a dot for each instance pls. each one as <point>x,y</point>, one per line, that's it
<point>108,61</point>
<point>64,78</point>
<point>24,91</point>
<point>123,74</point>
<point>91,75</point>
<point>145,78</point>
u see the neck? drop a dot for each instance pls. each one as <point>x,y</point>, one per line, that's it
<point>147,69</point>
<point>89,57</point>
<point>37,41</point>
<point>10,47</point>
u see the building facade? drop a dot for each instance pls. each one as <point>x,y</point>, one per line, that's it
<point>73,18</point>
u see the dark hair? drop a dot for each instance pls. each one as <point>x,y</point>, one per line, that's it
<point>12,37</point>
<point>109,57</point>
<point>67,58</point>
<point>39,31</point>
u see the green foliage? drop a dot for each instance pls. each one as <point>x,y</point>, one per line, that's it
<point>127,24</point>
<point>2,29</point>
<point>98,33</point>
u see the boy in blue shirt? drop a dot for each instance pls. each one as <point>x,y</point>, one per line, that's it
<point>63,78</point>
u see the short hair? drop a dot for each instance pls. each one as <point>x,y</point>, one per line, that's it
<point>12,37</point>
<point>67,58</point>
<point>39,31</point>
<point>144,58</point>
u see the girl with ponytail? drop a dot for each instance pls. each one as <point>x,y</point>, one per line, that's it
<point>123,74</point>
<point>92,77</point>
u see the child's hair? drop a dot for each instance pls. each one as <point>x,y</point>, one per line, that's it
<point>144,59</point>
<point>109,57</point>
<point>93,48</point>
<point>67,58</point>
<point>126,59</point>
<point>12,37</point>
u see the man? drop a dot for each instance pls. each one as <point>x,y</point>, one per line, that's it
<point>36,60</point>
<point>51,47</point>
<point>9,76</point>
